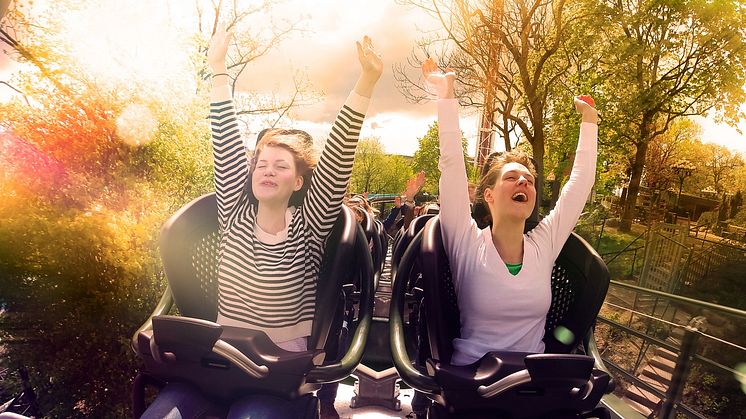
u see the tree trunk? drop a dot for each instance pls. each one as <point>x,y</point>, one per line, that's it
<point>538,148</point>
<point>636,177</point>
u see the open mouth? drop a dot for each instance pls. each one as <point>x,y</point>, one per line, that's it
<point>520,197</point>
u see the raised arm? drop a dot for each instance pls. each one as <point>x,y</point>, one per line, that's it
<point>332,174</point>
<point>231,163</point>
<point>455,216</point>
<point>558,225</point>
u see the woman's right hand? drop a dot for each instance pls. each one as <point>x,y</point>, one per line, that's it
<point>437,82</point>
<point>584,106</point>
<point>218,50</point>
<point>414,185</point>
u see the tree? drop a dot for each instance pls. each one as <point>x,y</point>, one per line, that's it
<point>426,159</point>
<point>720,165</point>
<point>375,172</point>
<point>81,212</point>
<point>665,60</point>
<point>250,43</point>
<point>665,150</point>
<point>507,57</point>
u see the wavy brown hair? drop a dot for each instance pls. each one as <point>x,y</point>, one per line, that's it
<point>491,172</point>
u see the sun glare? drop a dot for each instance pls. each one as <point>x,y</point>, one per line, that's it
<point>136,125</point>
<point>144,45</point>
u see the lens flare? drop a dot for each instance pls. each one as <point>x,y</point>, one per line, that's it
<point>564,335</point>
<point>741,375</point>
<point>136,125</point>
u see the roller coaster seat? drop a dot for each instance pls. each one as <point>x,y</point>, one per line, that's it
<point>404,237</point>
<point>372,231</point>
<point>559,383</point>
<point>227,362</point>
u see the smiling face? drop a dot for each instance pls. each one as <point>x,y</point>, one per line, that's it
<point>275,176</point>
<point>513,195</point>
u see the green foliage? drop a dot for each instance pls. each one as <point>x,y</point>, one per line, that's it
<point>79,266</point>
<point>724,284</point>
<point>714,394</point>
<point>665,60</point>
<point>426,159</point>
<point>740,218</point>
<point>375,172</point>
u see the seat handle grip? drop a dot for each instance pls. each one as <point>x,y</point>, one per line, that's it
<point>504,384</point>
<point>229,352</point>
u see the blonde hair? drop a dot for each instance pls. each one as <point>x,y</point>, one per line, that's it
<point>359,203</point>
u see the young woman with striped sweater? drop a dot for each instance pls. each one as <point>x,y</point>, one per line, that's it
<point>274,217</point>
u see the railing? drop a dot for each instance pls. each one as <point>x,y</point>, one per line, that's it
<point>688,350</point>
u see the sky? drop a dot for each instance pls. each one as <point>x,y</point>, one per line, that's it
<point>150,40</point>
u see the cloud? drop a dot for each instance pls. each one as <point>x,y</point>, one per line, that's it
<point>328,55</point>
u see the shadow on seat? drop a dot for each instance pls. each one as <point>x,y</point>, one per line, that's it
<point>228,362</point>
<point>562,382</point>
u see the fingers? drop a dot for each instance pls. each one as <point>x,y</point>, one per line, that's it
<point>429,66</point>
<point>365,47</point>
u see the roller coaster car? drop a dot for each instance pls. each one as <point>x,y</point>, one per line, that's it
<point>556,384</point>
<point>227,362</point>
<point>375,235</point>
<point>404,236</point>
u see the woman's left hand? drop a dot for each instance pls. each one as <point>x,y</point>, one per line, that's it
<point>370,60</point>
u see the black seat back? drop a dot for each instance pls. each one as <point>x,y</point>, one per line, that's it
<point>189,247</point>
<point>579,281</point>
<point>405,237</point>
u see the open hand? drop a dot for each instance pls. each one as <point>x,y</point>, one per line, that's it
<point>218,49</point>
<point>437,82</point>
<point>370,60</point>
<point>414,185</point>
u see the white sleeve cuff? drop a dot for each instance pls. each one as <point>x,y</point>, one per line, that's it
<point>357,103</point>
<point>220,93</point>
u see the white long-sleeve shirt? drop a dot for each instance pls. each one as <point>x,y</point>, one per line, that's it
<point>501,311</point>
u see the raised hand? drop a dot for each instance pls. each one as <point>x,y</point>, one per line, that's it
<point>218,49</point>
<point>414,185</point>
<point>420,179</point>
<point>438,83</point>
<point>370,60</point>
<point>584,106</point>
<point>397,201</point>
<point>371,65</point>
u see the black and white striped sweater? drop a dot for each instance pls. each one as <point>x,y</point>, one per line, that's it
<point>272,287</point>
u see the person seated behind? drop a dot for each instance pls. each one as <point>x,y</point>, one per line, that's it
<point>403,205</point>
<point>359,206</point>
<point>263,211</point>
<point>502,276</point>
<point>431,208</point>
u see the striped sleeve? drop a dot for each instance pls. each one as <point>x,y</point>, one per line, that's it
<point>332,174</point>
<point>231,163</point>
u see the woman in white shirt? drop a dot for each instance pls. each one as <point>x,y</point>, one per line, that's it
<point>501,274</point>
